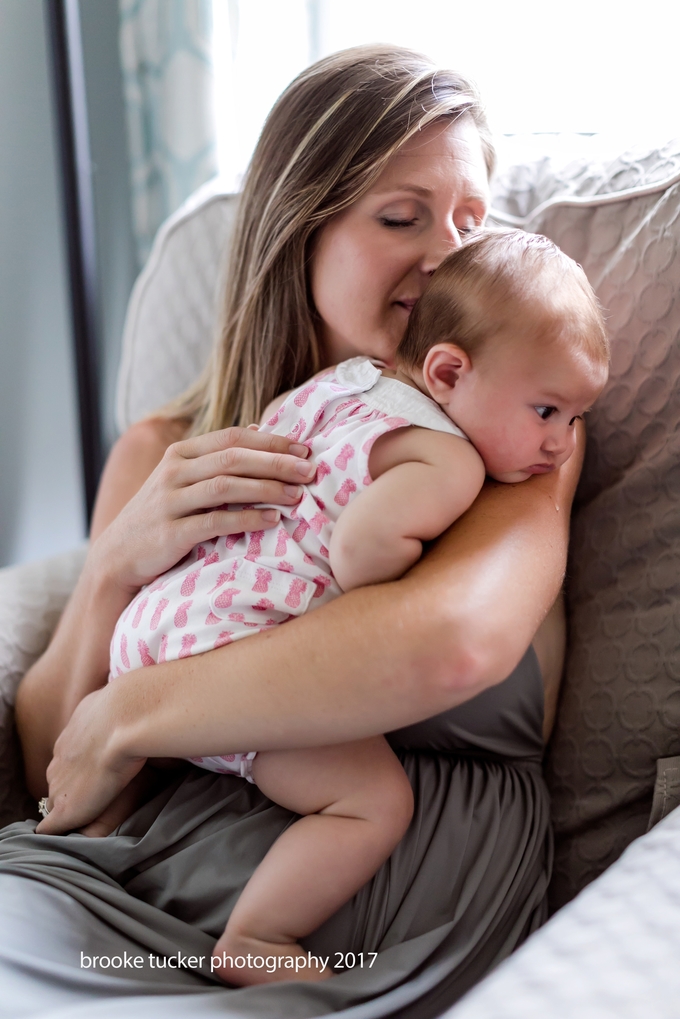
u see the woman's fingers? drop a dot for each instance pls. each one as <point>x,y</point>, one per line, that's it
<point>238,462</point>
<point>69,813</point>
<point>135,793</point>
<point>235,475</point>
<point>238,438</point>
<point>216,523</point>
<point>185,499</point>
<point>83,778</point>
<point>221,490</point>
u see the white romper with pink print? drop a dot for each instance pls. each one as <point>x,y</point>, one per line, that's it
<point>228,588</point>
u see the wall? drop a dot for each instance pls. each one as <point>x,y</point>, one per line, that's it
<point>40,487</point>
<point>40,484</point>
<point>108,145</point>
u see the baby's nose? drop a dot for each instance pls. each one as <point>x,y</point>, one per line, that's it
<point>560,443</point>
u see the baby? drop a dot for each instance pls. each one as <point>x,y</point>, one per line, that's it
<point>507,342</point>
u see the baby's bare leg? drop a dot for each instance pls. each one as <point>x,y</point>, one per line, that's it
<point>358,803</point>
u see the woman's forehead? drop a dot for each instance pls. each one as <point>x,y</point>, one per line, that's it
<point>444,154</point>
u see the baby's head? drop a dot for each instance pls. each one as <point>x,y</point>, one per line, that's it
<point>509,339</point>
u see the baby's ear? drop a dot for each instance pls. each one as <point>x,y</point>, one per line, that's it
<point>444,365</point>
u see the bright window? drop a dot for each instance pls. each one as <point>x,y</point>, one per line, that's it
<point>589,66</point>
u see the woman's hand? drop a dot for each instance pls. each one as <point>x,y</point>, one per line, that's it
<point>138,791</point>
<point>85,775</point>
<point>184,500</point>
<point>159,496</point>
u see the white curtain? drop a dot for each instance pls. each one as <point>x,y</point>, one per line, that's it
<point>579,68</point>
<point>166,60</point>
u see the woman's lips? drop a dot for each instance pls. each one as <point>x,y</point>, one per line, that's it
<point>407,304</point>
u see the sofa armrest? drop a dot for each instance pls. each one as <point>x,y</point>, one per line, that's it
<point>32,597</point>
<point>610,953</point>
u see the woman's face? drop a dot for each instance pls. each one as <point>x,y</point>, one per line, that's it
<point>371,263</point>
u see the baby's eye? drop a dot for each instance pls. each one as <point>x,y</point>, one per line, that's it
<point>545,412</point>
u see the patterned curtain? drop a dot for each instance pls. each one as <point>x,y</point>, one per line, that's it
<point>166,60</point>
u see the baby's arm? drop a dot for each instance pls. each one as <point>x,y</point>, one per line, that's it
<point>424,480</point>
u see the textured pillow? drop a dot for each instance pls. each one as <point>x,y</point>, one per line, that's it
<point>619,712</point>
<point>559,168</point>
<point>32,597</point>
<point>171,317</point>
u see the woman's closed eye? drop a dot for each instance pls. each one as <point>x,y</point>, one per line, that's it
<point>394,223</point>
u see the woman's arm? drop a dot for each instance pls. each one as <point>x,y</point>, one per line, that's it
<point>156,488</point>
<point>76,661</point>
<point>377,659</point>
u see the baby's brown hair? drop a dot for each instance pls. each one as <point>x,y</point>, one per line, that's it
<point>478,289</point>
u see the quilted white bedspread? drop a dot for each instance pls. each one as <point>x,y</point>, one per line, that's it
<point>612,953</point>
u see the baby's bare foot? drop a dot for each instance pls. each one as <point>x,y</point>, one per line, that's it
<point>241,960</point>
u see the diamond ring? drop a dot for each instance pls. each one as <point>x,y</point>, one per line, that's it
<point>43,809</point>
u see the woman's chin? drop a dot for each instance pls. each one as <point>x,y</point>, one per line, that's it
<point>382,349</point>
<point>376,346</point>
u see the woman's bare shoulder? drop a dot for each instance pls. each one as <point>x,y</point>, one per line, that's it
<point>272,407</point>
<point>133,457</point>
<point>148,439</point>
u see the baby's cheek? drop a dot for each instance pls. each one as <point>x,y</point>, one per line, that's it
<point>501,460</point>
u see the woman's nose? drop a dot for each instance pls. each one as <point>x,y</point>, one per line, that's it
<point>441,243</point>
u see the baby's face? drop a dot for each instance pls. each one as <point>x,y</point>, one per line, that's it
<point>520,402</point>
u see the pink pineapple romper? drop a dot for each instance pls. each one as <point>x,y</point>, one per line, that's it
<point>230,587</point>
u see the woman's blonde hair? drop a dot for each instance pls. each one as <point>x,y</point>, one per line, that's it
<point>324,144</point>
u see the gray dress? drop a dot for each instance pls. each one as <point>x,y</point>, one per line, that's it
<point>465,886</point>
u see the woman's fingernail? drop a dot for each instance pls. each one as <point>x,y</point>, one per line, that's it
<point>297,449</point>
<point>306,470</point>
<point>294,491</point>
<point>271,515</point>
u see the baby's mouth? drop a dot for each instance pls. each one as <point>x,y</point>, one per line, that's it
<point>540,468</point>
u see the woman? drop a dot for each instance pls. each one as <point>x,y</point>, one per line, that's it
<point>370,169</point>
